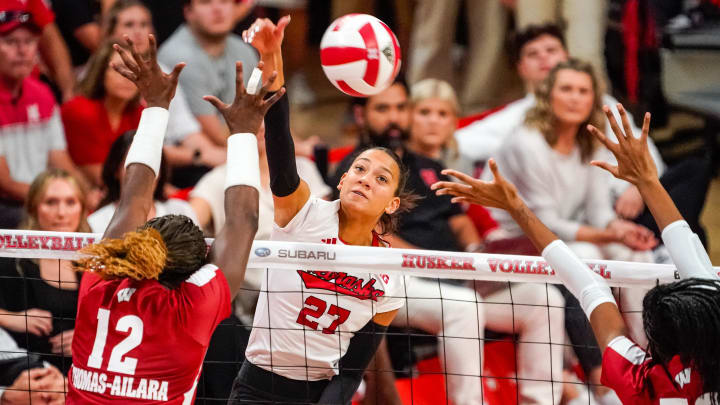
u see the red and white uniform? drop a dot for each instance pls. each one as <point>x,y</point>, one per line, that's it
<point>140,342</point>
<point>304,320</point>
<point>626,369</point>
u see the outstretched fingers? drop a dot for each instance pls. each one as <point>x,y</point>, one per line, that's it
<point>239,82</point>
<point>219,105</point>
<point>127,59</point>
<point>606,166</point>
<point>268,83</point>
<point>124,71</point>
<point>153,48</point>
<point>645,128</point>
<point>134,51</point>
<point>625,122</point>
<point>614,125</point>
<point>612,146</point>
<point>273,99</point>
<point>458,175</point>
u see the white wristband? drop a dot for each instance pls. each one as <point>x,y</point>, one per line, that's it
<point>243,164</point>
<point>686,251</point>
<point>146,147</point>
<point>586,285</point>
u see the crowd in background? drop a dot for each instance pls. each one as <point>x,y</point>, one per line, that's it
<point>517,80</point>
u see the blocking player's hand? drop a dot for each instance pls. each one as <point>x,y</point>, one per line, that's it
<point>155,86</point>
<point>247,111</point>
<point>498,193</point>
<point>635,164</point>
<point>265,36</point>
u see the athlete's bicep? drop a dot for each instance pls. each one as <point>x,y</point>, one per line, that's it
<point>287,207</point>
<point>385,318</point>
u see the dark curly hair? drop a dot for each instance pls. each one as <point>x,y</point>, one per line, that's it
<point>683,319</point>
<point>186,247</point>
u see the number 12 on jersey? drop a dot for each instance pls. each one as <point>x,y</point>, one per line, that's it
<point>117,363</point>
<point>315,308</point>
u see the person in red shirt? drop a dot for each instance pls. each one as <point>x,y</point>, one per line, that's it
<point>107,105</point>
<point>681,319</point>
<point>150,300</point>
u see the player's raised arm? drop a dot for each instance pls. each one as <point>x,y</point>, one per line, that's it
<point>142,163</point>
<point>589,288</point>
<point>290,192</point>
<point>242,183</point>
<point>635,165</point>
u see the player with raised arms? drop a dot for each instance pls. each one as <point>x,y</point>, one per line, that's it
<point>681,319</point>
<point>315,332</point>
<point>150,300</point>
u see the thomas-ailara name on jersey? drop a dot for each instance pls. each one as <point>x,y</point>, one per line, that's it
<point>120,386</point>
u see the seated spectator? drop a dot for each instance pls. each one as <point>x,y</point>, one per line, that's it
<point>31,133</point>
<point>46,287</point>
<point>113,171</point>
<point>24,378</point>
<point>53,49</point>
<point>548,158</point>
<point>210,49</point>
<point>435,111</point>
<point>188,151</point>
<point>537,50</point>
<point>107,106</point>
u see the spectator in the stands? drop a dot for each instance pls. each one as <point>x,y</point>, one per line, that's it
<point>113,172</point>
<point>537,50</point>
<point>188,150</point>
<point>435,111</point>
<point>210,49</point>
<point>46,287</point>
<point>31,133</point>
<point>24,378</point>
<point>53,50</point>
<point>548,159</point>
<point>79,26</point>
<point>107,105</point>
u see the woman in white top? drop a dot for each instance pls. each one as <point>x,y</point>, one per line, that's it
<point>315,332</point>
<point>548,158</point>
<point>549,161</point>
<point>112,174</point>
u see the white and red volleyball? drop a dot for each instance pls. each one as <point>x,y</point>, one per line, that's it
<point>360,55</point>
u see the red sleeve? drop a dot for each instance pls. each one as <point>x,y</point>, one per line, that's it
<point>83,131</point>
<point>41,14</point>
<point>624,369</point>
<point>204,301</point>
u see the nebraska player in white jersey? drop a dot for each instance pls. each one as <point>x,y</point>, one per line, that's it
<point>149,303</point>
<point>681,319</point>
<point>315,332</point>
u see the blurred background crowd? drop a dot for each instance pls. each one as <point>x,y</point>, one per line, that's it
<point>516,80</point>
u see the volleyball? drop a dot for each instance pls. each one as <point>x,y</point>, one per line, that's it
<point>360,55</point>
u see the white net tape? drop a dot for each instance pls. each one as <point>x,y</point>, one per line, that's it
<point>311,256</point>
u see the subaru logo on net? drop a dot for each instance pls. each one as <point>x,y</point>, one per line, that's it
<point>262,252</point>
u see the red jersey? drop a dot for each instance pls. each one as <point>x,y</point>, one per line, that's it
<point>139,342</point>
<point>626,369</point>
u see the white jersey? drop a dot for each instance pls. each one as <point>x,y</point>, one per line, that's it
<point>304,320</point>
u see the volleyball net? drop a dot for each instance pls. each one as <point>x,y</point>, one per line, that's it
<point>475,328</point>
